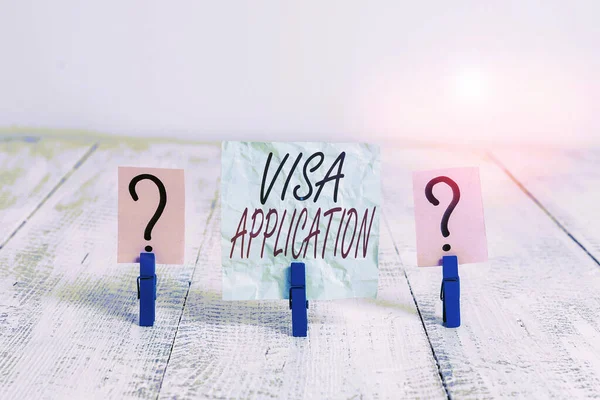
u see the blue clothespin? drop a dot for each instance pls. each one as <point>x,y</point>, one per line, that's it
<point>298,302</point>
<point>450,293</point>
<point>146,284</point>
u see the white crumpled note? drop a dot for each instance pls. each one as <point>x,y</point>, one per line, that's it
<point>336,236</point>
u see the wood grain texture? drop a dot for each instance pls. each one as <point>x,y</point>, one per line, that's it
<point>565,182</point>
<point>530,315</point>
<point>68,311</point>
<point>30,169</point>
<point>355,349</point>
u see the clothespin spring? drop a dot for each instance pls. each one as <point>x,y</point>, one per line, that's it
<point>290,297</point>
<point>147,277</point>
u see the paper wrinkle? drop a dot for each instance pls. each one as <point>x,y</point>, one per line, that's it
<point>252,278</point>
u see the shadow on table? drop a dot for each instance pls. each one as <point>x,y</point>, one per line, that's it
<point>117,298</point>
<point>209,308</point>
<point>114,298</point>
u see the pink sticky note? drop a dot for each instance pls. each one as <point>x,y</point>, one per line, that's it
<point>465,225</point>
<point>166,239</point>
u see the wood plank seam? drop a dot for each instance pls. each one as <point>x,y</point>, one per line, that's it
<point>540,205</point>
<point>437,363</point>
<point>78,164</point>
<point>204,240</point>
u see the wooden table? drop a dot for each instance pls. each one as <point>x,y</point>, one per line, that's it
<point>68,311</point>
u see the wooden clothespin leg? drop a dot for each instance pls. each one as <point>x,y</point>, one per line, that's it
<point>450,293</point>
<point>298,302</point>
<point>147,289</point>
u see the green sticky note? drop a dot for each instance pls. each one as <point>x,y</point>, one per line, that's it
<point>318,203</point>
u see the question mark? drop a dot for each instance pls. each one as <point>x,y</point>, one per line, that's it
<point>451,206</point>
<point>161,204</point>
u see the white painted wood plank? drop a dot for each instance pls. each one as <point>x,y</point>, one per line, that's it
<point>30,167</point>
<point>68,311</point>
<point>355,349</point>
<point>566,182</point>
<point>530,315</point>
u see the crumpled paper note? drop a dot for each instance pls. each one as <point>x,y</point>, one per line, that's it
<point>337,239</point>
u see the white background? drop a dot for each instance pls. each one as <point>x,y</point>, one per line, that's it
<point>455,71</point>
